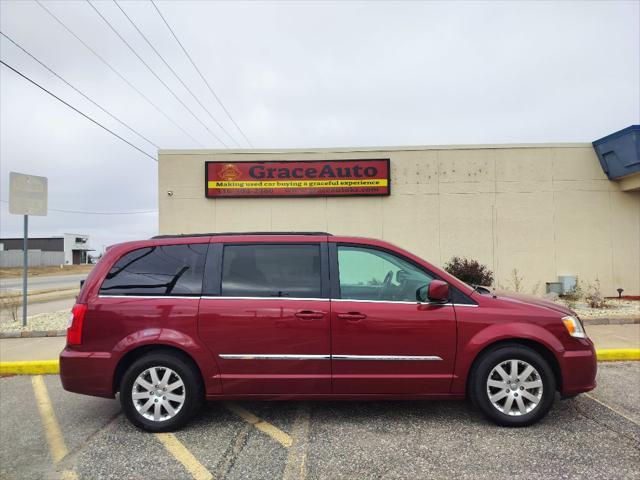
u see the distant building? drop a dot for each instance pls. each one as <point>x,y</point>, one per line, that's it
<point>70,249</point>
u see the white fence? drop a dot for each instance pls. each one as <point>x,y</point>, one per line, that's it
<point>37,258</point>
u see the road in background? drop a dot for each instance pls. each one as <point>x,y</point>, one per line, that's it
<point>43,283</point>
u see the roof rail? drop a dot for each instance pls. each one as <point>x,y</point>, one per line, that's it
<point>219,234</point>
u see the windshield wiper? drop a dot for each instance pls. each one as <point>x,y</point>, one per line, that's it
<point>480,289</point>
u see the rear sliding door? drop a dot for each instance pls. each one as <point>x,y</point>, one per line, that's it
<point>266,317</point>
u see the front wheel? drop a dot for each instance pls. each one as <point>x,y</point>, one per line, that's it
<point>513,386</point>
<point>160,392</point>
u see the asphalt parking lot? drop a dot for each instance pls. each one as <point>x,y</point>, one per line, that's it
<point>46,432</point>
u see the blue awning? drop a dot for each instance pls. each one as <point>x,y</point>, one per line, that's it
<point>619,153</point>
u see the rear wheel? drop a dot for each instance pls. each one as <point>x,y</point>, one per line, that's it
<point>513,386</point>
<point>160,392</point>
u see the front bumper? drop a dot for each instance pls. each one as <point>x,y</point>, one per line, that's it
<point>579,369</point>
<point>89,373</point>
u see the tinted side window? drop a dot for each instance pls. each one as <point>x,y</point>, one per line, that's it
<point>271,271</point>
<point>159,270</point>
<point>370,274</point>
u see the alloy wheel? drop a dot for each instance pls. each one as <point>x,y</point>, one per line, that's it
<point>514,387</point>
<point>158,394</point>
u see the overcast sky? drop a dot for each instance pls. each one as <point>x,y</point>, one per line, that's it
<point>297,75</point>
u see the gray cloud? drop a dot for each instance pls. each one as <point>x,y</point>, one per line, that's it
<point>302,74</point>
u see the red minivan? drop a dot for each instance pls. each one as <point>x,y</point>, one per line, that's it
<point>177,319</point>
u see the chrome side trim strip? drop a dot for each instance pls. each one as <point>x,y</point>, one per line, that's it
<point>165,297</point>
<point>379,301</point>
<point>393,358</point>
<point>252,356</point>
<point>214,297</point>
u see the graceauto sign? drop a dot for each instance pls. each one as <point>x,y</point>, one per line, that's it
<point>305,178</point>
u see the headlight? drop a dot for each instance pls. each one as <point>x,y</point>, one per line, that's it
<point>574,327</point>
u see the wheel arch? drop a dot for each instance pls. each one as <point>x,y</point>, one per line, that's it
<point>534,345</point>
<point>131,356</point>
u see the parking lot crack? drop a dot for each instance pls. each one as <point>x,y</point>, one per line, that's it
<point>68,460</point>
<point>232,453</point>
<point>635,443</point>
<point>296,467</point>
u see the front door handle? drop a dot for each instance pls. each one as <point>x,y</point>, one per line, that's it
<point>352,316</point>
<point>310,315</point>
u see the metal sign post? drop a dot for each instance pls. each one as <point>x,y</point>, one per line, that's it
<point>25,270</point>
<point>27,196</point>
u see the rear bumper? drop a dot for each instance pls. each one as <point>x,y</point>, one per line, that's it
<point>579,369</point>
<point>89,373</point>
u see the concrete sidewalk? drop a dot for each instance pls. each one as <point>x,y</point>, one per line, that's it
<point>48,348</point>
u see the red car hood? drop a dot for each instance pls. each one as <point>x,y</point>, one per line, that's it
<point>531,300</point>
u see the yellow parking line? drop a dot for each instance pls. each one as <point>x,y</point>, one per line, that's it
<point>184,456</point>
<point>274,432</point>
<point>57,447</point>
<point>296,467</point>
<point>55,440</point>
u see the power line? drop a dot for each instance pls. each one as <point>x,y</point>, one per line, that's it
<point>78,91</point>
<point>104,213</point>
<point>78,111</point>
<point>99,57</point>
<point>95,213</point>
<point>154,73</point>
<point>200,73</point>
<point>175,74</point>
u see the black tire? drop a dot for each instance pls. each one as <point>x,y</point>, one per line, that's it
<point>479,389</point>
<point>192,390</point>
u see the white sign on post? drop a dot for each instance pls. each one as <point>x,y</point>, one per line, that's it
<point>27,194</point>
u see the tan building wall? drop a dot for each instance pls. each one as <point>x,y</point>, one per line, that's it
<point>543,210</point>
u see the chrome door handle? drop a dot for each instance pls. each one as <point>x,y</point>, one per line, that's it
<point>352,316</point>
<point>309,315</point>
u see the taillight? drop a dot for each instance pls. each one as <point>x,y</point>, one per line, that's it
<point>74,331</point>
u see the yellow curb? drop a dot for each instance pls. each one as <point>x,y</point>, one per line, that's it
<point>45,367</point>
<point>37,367</point>
<point>618,354</point>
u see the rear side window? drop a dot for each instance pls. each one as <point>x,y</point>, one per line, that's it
<point>271,271</point>
<point>158,270</point>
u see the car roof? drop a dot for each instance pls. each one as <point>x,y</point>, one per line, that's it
<point>229,234</point>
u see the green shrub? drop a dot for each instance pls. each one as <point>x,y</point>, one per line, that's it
<point>469,271</point>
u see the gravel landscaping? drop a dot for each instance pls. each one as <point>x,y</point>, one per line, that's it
<point>42,322</point>
<point>613,309</point>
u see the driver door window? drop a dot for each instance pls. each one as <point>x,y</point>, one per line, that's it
<point>370,274</point>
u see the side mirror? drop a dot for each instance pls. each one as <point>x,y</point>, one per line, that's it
<point>438,291</point>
